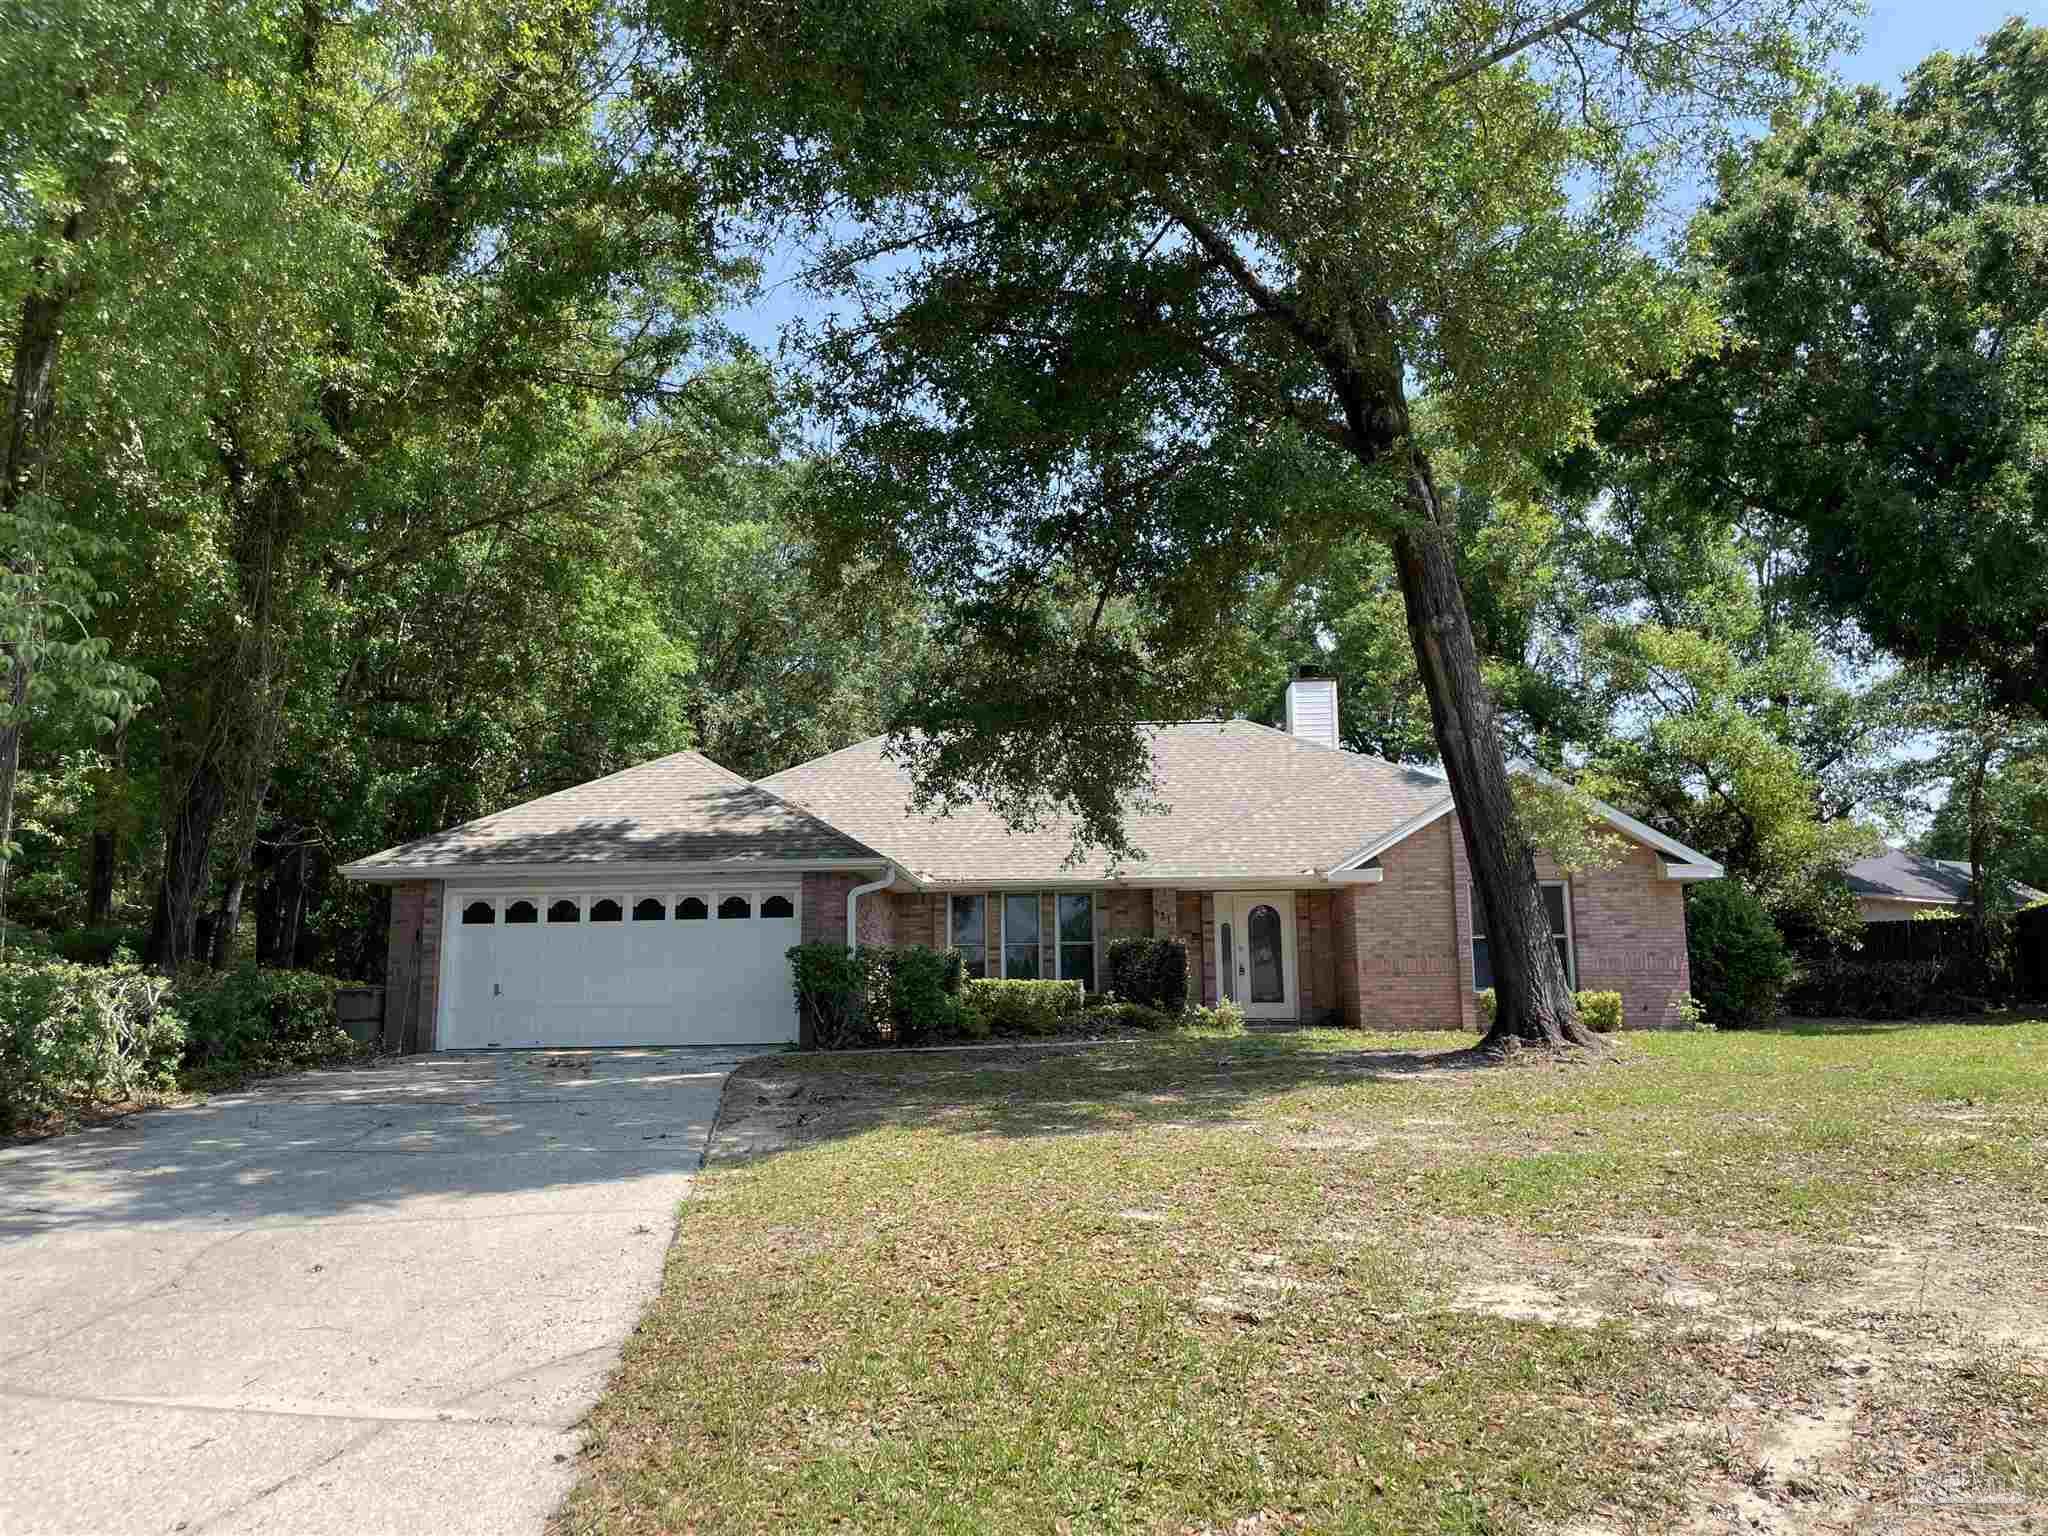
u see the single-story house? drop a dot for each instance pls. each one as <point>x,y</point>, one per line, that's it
<point>1309,883</point>
<point>1896,885</point>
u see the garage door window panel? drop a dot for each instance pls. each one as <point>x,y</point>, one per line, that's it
<point>480,912</point>
<point>649,909</point>
<point>735,907</point>
<point>691,909</point>
<point>777,906</point>
<point>565,909</point>
<point>522,911</point>
<point>606,911</point>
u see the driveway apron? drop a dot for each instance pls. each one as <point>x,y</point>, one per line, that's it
<point>362,1301</point>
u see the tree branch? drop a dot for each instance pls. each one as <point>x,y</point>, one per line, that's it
<point>1508,49</point>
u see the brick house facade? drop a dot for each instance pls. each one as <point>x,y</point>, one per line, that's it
<point>1337,883</point>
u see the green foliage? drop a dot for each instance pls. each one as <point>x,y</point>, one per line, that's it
<point>1151,972</point>
<point>1854,986</point>
<point>99,946</point>
<point>1226,1018</point>
<point>1600,1011</point>
<point>1882,382</point>
<point>831,995</point>
<point>1740,966</point>
<point>1160,347</point>
<point>1026,1008</point>
<point>876,995</point>
<point>252,1019</point>
<point>75,1036</point>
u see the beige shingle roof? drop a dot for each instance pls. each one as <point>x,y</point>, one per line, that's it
<point>1244,802</point>
<point>681,809</point>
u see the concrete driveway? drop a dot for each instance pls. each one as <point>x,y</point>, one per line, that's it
<point>368,1301</point>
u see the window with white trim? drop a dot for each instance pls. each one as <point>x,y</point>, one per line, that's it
<point>1557,904</point>
<point>1076,913</point>
<point>967,931</point>
<point>1020,936</point>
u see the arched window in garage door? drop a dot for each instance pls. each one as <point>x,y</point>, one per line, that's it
<point>564,909</point>
<point>605,910</point>
<point>735,906</point>
<point>479,912</point>
<point>777,906</point>
<point>649,909</point>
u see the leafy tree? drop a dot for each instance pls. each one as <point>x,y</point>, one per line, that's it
<point>1985,767</point>
<point>1140,300</point>
<point>1880,384</point>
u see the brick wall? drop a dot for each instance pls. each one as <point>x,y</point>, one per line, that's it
<point>1630,926</point>
<point>412,971</point>
<point>1315,956</point>
<point>1400,938</point>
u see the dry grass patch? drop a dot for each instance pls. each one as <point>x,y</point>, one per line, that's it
<point>1340,1283</point>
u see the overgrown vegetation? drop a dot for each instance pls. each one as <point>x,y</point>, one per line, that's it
<point>75,1037</point>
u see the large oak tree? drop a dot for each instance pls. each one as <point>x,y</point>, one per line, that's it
<point>1135,301</point>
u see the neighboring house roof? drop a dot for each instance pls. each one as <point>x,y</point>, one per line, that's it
<point>1898,874</point>
<point>680,809</point>
<point>1244,802</point>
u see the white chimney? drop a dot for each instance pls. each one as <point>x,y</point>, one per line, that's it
<point>1312,707</point>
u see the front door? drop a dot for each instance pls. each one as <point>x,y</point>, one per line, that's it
<point>1255,953</point>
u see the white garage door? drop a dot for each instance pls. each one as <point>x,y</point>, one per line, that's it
<point>580,967</point>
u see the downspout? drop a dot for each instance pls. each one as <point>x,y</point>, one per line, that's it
<point>853,901</point>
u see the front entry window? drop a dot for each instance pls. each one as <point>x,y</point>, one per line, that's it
<point>1263,940</point>
<point>1229,966</point>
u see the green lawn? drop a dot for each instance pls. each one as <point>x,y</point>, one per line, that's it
<point>1785,1281</point>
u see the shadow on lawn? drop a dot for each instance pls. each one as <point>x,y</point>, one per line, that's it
<point>776,1103</point>
<point>1824,1028</point>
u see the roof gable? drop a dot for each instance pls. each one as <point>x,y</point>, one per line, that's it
<point>680,809</point>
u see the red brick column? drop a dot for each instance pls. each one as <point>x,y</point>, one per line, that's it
<point>412,967</point>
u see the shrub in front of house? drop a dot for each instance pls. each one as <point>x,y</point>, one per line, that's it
<point>1152,973</point>
<point>1026,1008</point>
<point>876,995</point>
<point>1598,1011</point>
<point>1740,965</point>
<point>257,1019</point>
<point>75,1036</point>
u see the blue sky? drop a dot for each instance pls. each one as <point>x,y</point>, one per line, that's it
<point>1897,35</point>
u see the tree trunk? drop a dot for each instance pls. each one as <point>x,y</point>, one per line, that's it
<point>188,853</point>
<point>1533,999</point>
<point>227,922</point>
<point>99,885</point>
<point>1980,924</point>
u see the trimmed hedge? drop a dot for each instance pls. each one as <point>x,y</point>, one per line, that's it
<point>1152,973</point>
<point>1026,1007</point>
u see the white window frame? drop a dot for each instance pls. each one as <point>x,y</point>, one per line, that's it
<point>1571,933</point>
<point>1059,945</point>
<point>1038,943</point>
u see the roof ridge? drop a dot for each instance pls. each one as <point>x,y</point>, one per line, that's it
<point>823,757</point>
